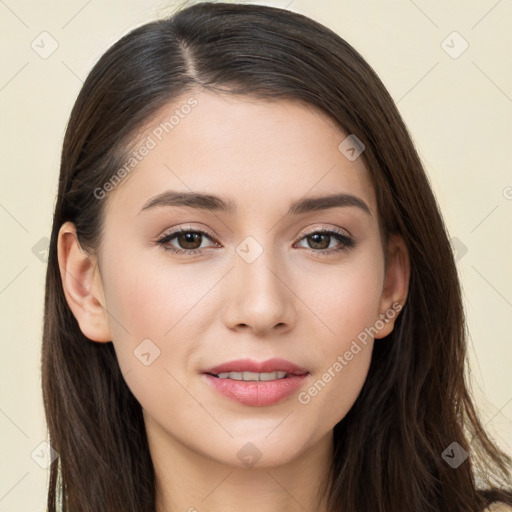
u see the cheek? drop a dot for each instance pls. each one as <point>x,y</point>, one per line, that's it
<point>347,305</point>
<point>344,298</point>
<point>151,299</point>
<point>153,318</point>
<point>158,313</point>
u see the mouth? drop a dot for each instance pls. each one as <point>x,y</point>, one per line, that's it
<point>256,384</point>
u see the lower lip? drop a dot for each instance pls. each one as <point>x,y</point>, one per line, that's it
<point>257,393</point>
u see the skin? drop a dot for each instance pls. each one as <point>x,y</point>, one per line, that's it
<point>204,310</point>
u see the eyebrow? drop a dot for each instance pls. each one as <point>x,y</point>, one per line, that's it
<point>214,203</point>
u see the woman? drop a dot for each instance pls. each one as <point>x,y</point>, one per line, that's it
<point>251,300</point>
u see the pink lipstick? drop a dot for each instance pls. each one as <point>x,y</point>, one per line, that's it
<point>256,383</point>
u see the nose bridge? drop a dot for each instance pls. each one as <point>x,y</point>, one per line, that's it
<point>259,298</point>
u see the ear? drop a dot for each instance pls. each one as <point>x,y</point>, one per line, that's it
<point>82,285</point>
<point>396,284</point>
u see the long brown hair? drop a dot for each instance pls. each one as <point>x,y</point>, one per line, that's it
<point>415,402</point>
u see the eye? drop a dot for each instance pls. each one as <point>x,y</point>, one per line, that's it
<point>189,241</point>
<point>319,241</point>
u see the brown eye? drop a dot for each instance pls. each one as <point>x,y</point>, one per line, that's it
<point>187,241</point>
<point>319,241</point>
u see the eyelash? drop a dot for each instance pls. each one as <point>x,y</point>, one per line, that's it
<point>346,243</point>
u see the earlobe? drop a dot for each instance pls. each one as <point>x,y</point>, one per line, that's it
<point>396,284</point>
<point>82,285</point>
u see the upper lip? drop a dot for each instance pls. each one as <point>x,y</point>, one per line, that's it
<point>249,365</point>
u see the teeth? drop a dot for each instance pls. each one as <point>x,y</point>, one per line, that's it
<point>252,376</point>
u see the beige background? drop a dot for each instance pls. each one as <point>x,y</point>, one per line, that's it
<point>458,111</point>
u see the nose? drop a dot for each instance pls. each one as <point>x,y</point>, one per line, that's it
<point>258,297</point>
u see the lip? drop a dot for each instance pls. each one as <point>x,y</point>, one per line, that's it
<point>257,393</point>
<point>249,365</point>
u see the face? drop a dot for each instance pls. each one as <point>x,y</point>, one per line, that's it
<point>259,280</point>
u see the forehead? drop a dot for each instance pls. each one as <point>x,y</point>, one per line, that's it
<point>257,153</point>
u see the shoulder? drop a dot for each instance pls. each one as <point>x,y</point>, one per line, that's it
<point>498,506</point>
